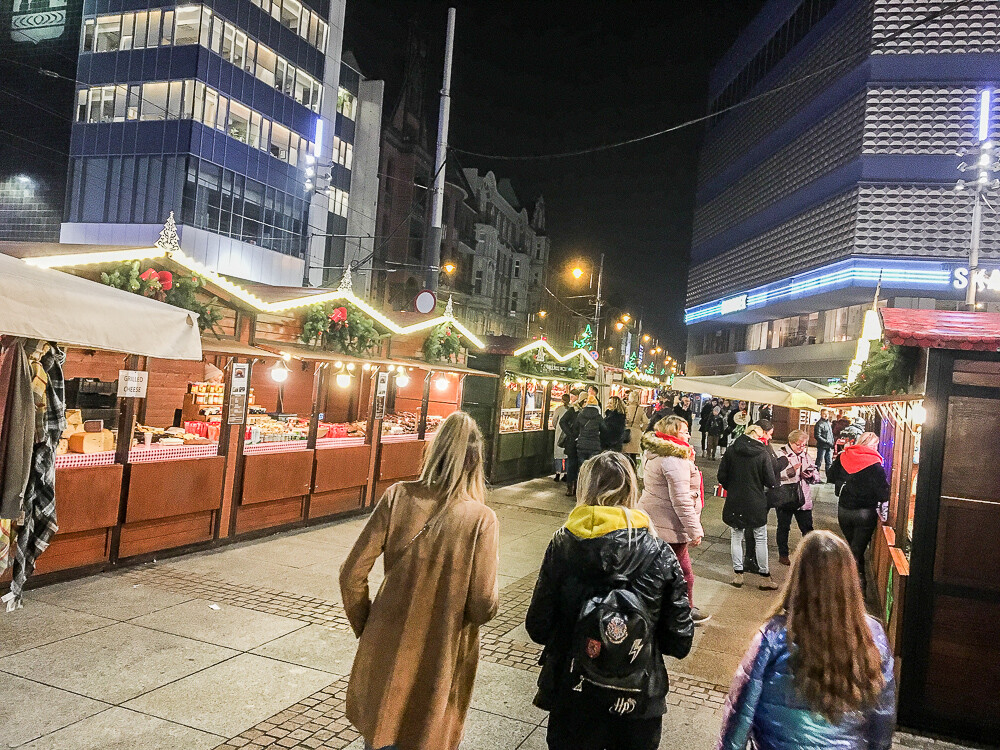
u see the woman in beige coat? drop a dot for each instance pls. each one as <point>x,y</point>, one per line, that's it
<point>672,494</point>
<point>412,678</point>
<point>635,423</point>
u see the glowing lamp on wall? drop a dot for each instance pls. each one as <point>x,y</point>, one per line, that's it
<point>343,380</point>
<point>441,383</point>
<point>279,373</point>
<point>402,381</point>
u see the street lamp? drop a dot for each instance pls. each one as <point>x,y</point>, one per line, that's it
<point>983,163</point>
<point>449,267</point>
<point>626,318</point>
<point>619,325</point>
<point>577,273</point>
<point>542,313</point>
<point>645,339</point>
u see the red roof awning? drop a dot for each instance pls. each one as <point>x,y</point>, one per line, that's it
<point>942,329</point>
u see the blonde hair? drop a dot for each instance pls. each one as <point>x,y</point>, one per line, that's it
<point>615,404</point>
<point>608,479</point>
<point>670,425</point>
<point>754,431</point>
<point>836,664</point>
<point>795,437</point>
<point>869,439</point>
<point>453,463</point>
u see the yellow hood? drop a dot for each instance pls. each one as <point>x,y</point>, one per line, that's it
<point>591,521</point>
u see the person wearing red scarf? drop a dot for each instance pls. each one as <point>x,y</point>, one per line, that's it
<point>860,481</point>
<point>673,494</point>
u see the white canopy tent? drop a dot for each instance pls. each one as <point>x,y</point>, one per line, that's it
<point>749,386</point>
<point>42,303</point>
<point>816,390</point>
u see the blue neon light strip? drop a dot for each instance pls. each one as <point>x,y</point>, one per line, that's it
<point>911,274</point>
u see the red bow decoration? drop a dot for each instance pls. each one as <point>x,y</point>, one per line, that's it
<point>165,278</point>
<point>339,315</point>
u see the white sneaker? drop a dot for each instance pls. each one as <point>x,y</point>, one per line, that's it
<point>699,617</point>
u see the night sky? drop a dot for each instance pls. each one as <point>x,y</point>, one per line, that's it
<point>545,77</point>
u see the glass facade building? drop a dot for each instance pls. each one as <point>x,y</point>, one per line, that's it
<point>840,182</point>
<point>216,111</point>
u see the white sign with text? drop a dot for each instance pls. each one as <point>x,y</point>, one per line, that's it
<point>132,383</point>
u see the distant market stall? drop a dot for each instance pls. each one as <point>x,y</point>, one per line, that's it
<point>514,412</point>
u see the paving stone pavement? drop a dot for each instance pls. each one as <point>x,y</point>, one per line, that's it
<point>248,646</point>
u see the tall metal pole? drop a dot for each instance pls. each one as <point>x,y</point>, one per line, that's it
<point>597,308</point>
<point>433,241</point>
<point>977,222</point>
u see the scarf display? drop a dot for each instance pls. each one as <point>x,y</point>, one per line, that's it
<point>39,498</point>
<point>858,457</point>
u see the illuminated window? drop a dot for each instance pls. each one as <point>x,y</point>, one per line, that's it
<point>346,103</point>
<point>109,33</point>
<point>188,29</point>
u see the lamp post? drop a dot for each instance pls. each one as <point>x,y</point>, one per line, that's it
<point>578,274</point>
<point>983,163</point>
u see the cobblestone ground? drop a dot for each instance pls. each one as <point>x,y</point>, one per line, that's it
<point>248,646</point>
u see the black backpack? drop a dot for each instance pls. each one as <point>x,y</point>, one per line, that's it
<point>613,651</point>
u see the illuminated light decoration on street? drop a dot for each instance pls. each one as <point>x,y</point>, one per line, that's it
<point>342,293</point>
<point>543,344</point>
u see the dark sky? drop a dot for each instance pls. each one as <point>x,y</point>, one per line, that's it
<point>544,77</point>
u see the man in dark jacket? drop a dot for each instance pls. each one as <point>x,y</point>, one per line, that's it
<point>568,426</point>
<point>590,427</point>
<point>746,472</point>
<point>684,411</point>
<point>596,543</point>
<point>823,433</point>
<point>703,421</point>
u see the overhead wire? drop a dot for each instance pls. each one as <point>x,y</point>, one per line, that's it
<point>933,15</point>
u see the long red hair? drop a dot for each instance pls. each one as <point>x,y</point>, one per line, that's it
<point>837,666</point>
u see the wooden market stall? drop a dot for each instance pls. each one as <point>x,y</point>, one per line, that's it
<point>934,557</point>
<point>103,331</point>
<point>514,411</point>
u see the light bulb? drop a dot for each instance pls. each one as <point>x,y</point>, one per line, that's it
<point>402,381</point>
<point>441,384</point>
<point>366,366</point>
<point>919,414</point>
<point>343,380</point>
<point>350,366</point>
<point>279,373</point>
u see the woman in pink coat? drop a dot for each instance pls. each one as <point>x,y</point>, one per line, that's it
<point>673,494</point>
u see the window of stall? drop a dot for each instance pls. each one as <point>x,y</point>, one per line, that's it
<point>92,403</point>
<point>534,405</point>
<point>347,406</point>
<point>511,403</point>
<point>182,412</point>
<point>404,403</point>
<point>556,398</point>
<point>278,419</point>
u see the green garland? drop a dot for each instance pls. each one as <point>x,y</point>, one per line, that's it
<point>340,328</point>
<point>174,289</point>
<point>444,344</point>
<point>888,371</point>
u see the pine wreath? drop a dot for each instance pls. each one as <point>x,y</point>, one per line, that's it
<point>888,371</point>
<point>444,344</point>
<point>340,328</point>
<point>177,289</point>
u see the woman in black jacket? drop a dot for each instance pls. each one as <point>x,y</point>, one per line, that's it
<point>606,544</point>
<point>860,481</point>
<point>614,425</point>
<point>568,426</point>
<point>747,471</point>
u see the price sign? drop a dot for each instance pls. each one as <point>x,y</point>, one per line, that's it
<point>132,383</point>
<point>381,391</point>
<point>239,388</point>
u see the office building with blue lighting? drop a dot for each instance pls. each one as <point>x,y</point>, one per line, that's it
<point>228,113</point>
<point>839,182</point>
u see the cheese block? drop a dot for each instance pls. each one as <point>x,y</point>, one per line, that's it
<point>86,442</point>
<point>74,417</point>
<point>109,440</point>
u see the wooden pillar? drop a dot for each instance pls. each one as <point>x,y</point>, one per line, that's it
<point>425,400</point>
<point>232,438</point>
<point>126,419</point>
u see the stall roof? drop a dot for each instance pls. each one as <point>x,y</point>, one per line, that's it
<point>41,303</point>
<point>748,386</point>
<point>310,354</point>
<point>816,390</point>
<point>845,401</point>
<point>212,345</point>
<point>942,329</point>
<point>442,367</point>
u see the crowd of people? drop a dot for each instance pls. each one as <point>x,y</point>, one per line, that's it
<point>615,592</point>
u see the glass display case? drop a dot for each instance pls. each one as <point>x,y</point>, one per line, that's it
<point>511,404</point>
<point>534,395</point>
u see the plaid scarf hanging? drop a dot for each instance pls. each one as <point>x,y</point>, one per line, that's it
<point>39,499</point>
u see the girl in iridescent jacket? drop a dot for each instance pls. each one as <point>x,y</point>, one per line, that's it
<point>819,673</point>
